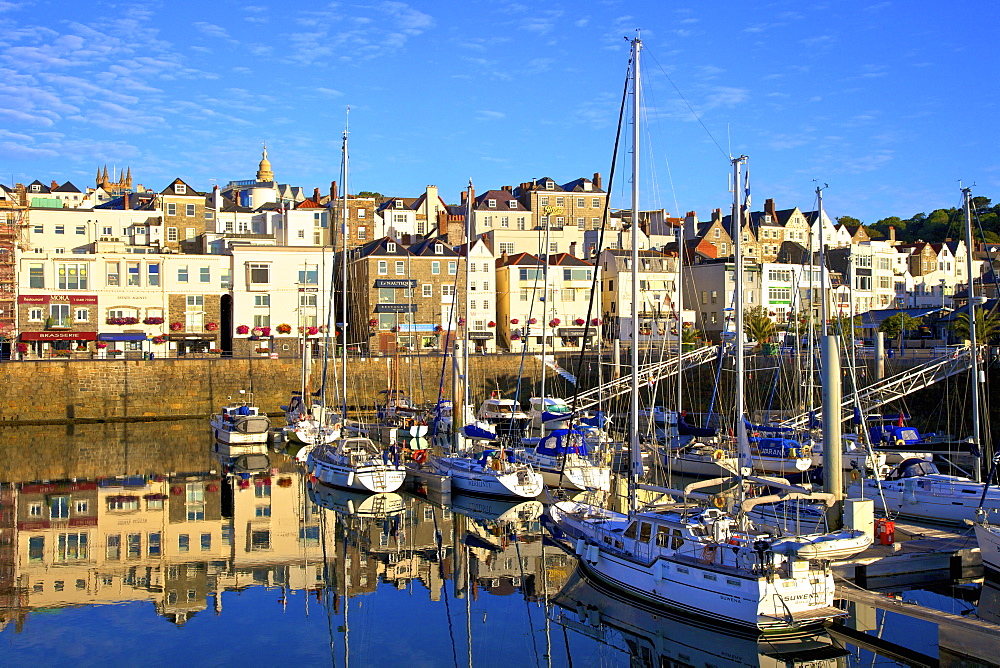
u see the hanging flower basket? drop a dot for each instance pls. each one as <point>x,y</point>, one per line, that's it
<point>176,326</point>
<point>373,323</point>
<point>312,331</point>
<point>284,482</point>
<point>159,339</point>
<point>579,321</point>
<point>242,329</point>
<point>514,321</point>
<point>101,345</point>
<point>595,322</point>
<point>395,329</point>
<point>176,490</point>
<point>213,488</point>
<point>284,328</point>
<point>438,329</point>
<point>23,347</point>
<point>554,322</point>
<point>461,321</point>
<point>153,321</point>
<point>533,321</point>
<point>212,327</point>
<point>257,331</point>
<point>244,484</point>
<point>491,324</point>
<point>515,337</point>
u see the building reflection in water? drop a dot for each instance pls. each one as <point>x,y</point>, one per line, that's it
<point>179,540</point>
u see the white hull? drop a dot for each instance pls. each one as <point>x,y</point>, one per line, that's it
<point>722,581</point>
<point>988,536</point>
<point>378,479</point>
<point>580,478</point>
<point>467,476</point>
<point>937,497</point>
<point>700,465</point>
<point>225,435</point>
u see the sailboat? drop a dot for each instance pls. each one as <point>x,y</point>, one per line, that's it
<point>915,487</point>
<point>491,470</point>
<point>701,561</point>
<point>353,462</point>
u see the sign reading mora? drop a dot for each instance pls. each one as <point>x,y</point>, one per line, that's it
<point>395,308</point>
<point>395,283</point>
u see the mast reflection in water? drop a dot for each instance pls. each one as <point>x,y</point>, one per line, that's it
<point>129,544</point>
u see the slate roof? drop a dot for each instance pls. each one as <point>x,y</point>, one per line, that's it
<point>66,188</point>
<point>502,197</point>
<point>427,248</point>
<point>378,248</point>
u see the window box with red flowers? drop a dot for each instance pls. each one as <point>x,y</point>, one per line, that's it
<point>243,329</point>
<point>123,321</point>
<point>264,351</point>
<point>152,321</point>
<point>215,350</point>
<point>284,328</point>
<point>212,327</point>
<point>62,353</point>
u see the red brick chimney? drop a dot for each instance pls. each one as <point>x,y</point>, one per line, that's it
<point>465,197</point>
<point>333,190</point>
<point>892,234</point>
<point>597,180</point>
<point>769,209</point>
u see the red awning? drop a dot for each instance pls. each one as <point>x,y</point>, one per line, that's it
<point>58,336</point>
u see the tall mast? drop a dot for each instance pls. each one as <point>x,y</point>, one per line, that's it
<point>742,445</point>
<point>823,316</point>
<point>679,323</point>
<point>343,270</point>
<point>636,456</point>
<point>974,372</point>
<point>468,293</point>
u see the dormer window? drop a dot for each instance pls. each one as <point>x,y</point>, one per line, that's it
<point>390,247</point>
<point>512,203</point>
<point>767,218</point>
<point>180,189</point>
<point>439,249</point>
<point>399,203</point>
<point>491,203</point>
<point>549,185</point>
<point>35,188</point>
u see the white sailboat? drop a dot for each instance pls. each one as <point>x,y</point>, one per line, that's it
<point>915,487</point>
<point>490,470</point>
<point>353,462</point>
<point>697,560</point>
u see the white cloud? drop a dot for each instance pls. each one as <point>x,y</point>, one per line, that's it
<point>486,115</point>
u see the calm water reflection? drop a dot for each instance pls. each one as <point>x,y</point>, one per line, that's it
<point>135,544</point>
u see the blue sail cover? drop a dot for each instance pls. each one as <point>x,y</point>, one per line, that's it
<point>561,441</point>
<point>685,429</point>
<point>775,447</point>
<point>549,417</point>
<point>599,420</point>
<point>473,431</point>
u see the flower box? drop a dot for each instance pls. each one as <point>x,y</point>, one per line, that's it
<point>123,321</point>
<point>153,321</point>
<point>212,327</point>
<point>284,328</point>
<point>243,329</point>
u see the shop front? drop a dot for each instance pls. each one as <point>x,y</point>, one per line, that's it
<point>127,345</point>
<point>54,343</point>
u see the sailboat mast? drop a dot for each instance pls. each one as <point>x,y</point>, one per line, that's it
<point>823,316</point>
<point>679,323</point>
<point>636,456</point>
<point>468,292</point>
<point>742,445</point>
<point>343,272</point>
<point>974,371</point>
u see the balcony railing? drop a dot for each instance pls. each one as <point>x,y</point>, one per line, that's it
<point>58,323</point>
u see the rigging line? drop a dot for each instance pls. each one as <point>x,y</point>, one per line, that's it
<point>600,243</point>
<point>688,104</point>
<point>527,607</point>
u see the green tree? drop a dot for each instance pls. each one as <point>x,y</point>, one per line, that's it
<point>757,325</point>
<point>987,325</point>
<point>895,325</point>
<point>846,327</point>
<point>850,221</point>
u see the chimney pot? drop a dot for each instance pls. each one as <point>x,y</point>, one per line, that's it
<point>597,180</point>
<point>333,190</point>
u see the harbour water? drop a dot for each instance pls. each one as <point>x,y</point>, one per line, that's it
<point>143,547</point>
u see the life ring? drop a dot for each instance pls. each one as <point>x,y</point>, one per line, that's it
<point>854,475</point>
<point>718,454</point>
<point>420,456</point>
<point>718,501</point>
<point>900,443</point>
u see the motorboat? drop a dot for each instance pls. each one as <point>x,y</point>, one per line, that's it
<point>240,422</point>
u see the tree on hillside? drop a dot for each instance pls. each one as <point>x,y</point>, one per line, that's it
<point>850,221</point>
<point>987,325</point>
<point>757,325</point>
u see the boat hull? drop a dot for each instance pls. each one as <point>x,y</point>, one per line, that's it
<point>224,434</point>
<point>988,536</point>
<point>692,585</point>
<point>523,484</point>
<point>377,479</point>
<point>937,498</point>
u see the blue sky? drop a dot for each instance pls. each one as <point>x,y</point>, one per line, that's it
<point>890,103</point>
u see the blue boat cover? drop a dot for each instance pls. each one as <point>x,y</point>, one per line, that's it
<point>684,429</point>
<point>598,420</point>
<point>775,447</point>
<point>473,431</point>
<point>561,441</point>
<point>549,417</point>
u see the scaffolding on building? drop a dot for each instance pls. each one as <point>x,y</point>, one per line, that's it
<point>13,223</point>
